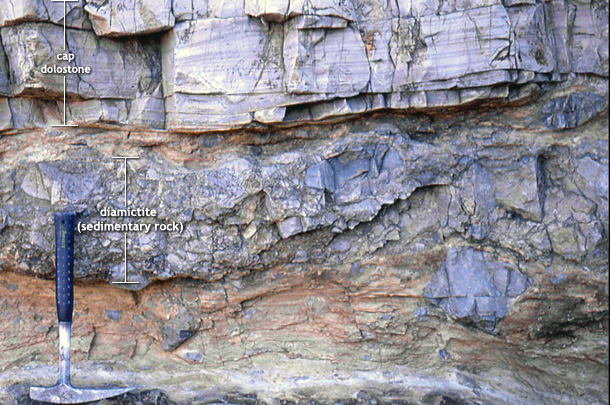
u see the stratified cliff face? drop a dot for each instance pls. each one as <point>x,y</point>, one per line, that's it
<point>356,201</point>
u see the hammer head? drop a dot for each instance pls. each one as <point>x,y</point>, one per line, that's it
<point>62,393</point>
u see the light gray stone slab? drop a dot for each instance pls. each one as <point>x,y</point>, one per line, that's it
<point>222,56</point>
<point>18,11</point>
<point>5,85</point>
<point>6,121</point>
<point>192,111</point>
<point>120,69</point>
<point>353,105</point>
<point>557,12</point>
<point>325,61</point>
<point>185,112</point>
<point>408,8</point>
<point>269,10</point>
<point>30,113</point>
<point>589,39</point>
<point>129,17</point>
<point>337,8</point>
<point>312,22</point>
<point>374,10</point>
<point>270,115</point>
<point>377,36</point>
<point>189,9</point>
<point>451,46</point>
<point>534,50</point>
<point>512,3</point>
<point>282,10</point>
<point>148,110</point>
<point>98,111</point>
<point>225,8</point>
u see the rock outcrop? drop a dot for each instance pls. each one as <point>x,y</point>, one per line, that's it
<point>232,64</point>
<point>365,201</point>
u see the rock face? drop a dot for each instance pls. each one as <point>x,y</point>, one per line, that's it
<point>129,17</point>
<point>229,65</point>
<point>472,286</point>
<point>365,201</point>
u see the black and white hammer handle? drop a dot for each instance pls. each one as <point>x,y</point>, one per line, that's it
<point>64,264</point>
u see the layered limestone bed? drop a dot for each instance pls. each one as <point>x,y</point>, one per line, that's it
<point>356,201</point>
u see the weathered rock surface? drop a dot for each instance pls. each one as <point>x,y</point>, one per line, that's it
<point>345,239</point>
<point>19,11</point>
<point>280,11</point>
<point>471,285</point>
<point>120,69</point>
<point>231,64</point>
<point>572,111</point>
<point>368,201</point>
<point>129,17</point>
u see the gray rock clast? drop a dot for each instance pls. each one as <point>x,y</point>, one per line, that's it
<point>572,111</point>
<point>472,285</point>
<point>229,64</point>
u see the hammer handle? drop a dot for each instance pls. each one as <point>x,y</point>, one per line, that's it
<point>64,264</point>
